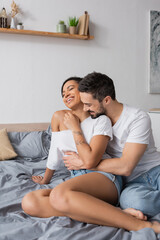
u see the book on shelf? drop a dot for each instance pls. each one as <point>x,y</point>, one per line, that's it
<point>83,25</point>
<point>154,110</point>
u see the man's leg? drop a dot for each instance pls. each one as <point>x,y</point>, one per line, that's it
<point>142,198</point>
<point>144,193</point>
<point>88,198</point>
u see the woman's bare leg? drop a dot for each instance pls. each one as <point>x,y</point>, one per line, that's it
<point>86,198</point>
<point>82,198</point>
<point>37,204</point>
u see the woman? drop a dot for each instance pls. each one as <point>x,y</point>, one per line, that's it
<point>89,196</point>
<point>74,130</point>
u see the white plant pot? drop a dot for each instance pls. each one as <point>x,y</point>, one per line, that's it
<point>19,26</point>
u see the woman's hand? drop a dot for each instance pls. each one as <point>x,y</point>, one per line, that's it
<point>37,179</point>
<point>71,121</point>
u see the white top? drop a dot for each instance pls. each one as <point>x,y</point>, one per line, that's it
<point>134,125</point>
<point>63,141</point>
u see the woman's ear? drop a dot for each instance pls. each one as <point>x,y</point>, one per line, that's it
<point>107,100</point>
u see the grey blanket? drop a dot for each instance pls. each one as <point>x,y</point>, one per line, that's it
<point>15,182</point>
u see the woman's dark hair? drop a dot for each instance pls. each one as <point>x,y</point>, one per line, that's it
<point>99,85</point>
<point>76,79</point>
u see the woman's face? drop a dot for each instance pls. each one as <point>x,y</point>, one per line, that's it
<point>71,96</point>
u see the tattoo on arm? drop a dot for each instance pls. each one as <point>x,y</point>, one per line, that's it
<point>78,132</point>
<point>80,142</point>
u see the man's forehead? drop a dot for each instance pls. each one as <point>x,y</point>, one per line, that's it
<point>86,96</point>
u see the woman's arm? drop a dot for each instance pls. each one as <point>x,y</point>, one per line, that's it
<point>55,121</point>
<point>44,180</point>
<point>92,153</point>
<point>49,172</point>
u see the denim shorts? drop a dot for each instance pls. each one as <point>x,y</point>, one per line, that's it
<point>117,180</point>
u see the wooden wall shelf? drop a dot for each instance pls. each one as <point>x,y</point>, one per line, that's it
<point>42,33</point>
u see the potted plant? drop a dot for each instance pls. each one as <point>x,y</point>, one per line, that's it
<point>20,25</point>
<point>73,22</point>
<point>61,27</point>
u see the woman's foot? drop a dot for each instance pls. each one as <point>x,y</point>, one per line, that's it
<point>155,226</point>
<point>136,213</point>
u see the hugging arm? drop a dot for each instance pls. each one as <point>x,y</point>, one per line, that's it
<point>90,154</point>
<point>124,165</point>
<point>133,150</point>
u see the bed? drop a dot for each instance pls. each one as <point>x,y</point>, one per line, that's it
<point>31,142</point>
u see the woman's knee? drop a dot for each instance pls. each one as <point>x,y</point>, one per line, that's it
<point>60,198</point>
<point>29,203</point>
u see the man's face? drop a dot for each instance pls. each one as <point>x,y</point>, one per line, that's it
<point>91,105</point>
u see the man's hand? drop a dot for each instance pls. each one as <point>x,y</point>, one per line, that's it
<point>72,161</point>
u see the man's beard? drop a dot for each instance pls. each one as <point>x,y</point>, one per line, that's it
<point>100,112</point>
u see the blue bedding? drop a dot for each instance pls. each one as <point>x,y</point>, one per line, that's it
<point>15,182</point>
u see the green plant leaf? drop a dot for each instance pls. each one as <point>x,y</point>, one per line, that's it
<point>73,21</point>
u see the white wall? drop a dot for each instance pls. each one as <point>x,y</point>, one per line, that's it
<point>32,68</point>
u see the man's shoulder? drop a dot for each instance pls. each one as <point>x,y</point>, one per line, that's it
<point>135,112</point>
<point>136,117</point>
<point>102,119</point>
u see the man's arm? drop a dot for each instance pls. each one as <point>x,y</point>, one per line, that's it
<point>124,165</point>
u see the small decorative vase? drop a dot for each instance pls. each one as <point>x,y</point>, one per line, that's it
<point>13,25</point>
<point>61,28</point>
<point>72,30</point>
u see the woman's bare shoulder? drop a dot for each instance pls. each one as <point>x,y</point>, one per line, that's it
<point>59,114</point>
<point>57,120</point>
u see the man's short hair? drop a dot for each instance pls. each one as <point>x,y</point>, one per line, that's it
<point>99,85</point>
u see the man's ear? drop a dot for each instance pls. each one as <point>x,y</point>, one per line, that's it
<point>107,100</point>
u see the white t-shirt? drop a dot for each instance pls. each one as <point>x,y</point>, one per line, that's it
<point>134,125</point>
<point>63,141</point>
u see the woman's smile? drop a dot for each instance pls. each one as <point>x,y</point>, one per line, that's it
<point>69,99</point>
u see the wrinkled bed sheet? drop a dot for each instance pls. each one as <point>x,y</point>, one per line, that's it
<point>15,182</point>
